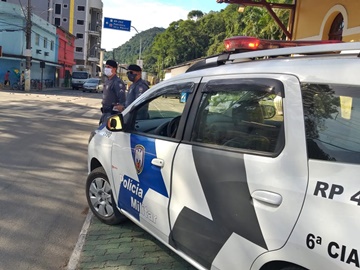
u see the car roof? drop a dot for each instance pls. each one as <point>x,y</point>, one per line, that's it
<point>316,63</point>
<point>310,64</point>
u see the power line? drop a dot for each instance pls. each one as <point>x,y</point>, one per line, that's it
<point>22,28</point>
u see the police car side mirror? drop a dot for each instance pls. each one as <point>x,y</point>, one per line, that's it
<point>268,111</point>
<point>115,123</point>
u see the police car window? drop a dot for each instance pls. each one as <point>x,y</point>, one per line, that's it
<point>175,90</point>
<point>161,114</point>
<point>241,114</point>
<point>332,122</point>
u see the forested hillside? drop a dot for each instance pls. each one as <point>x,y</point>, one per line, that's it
<point>129,52</point>
<point>198,36</point>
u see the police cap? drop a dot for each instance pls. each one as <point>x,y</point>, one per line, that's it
<point>134,67</point>
<point>111,63</point>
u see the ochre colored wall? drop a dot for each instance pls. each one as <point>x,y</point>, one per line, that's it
<point>313,19</point>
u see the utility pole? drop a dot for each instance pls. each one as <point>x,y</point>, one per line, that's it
<point>28,47</point>
<point>139,62</point>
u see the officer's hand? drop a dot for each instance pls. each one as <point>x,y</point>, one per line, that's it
<point>119,107</point>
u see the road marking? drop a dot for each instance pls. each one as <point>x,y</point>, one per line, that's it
<point>46,108</point>
<point>67,110</point>
<point>91,112</point>
<point>75,256</point>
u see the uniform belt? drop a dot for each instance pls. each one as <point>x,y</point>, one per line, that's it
<point>106,109</point>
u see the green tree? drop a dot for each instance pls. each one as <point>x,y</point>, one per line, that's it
<point>129,51</point>
<point>202,35</point>
<point>195,15</point>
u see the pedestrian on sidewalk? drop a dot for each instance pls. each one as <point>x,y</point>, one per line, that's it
<point>22,81</point>
<point>7,78</point>
<point>113,100</point>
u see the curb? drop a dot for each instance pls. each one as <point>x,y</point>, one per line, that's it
<point>75,256</point>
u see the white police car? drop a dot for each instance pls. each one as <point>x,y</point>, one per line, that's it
<point>255,166</point>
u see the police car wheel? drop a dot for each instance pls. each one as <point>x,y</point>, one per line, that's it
<point>100,198</point>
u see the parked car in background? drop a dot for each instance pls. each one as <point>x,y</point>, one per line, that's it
<point>93,85</point>
<point>78,79</point>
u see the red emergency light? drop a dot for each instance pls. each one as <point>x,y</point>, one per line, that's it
<point>243,43</point>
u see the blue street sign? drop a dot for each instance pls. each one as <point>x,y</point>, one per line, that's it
<point>117,24</point>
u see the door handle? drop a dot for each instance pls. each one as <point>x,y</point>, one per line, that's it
<point>158,162</point>
<point>267,197</point>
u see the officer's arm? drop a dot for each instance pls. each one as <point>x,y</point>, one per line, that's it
<point>140,89</point>
<point>119,88</point>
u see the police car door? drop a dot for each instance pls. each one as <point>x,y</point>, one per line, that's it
<point>237,187</point>
<point>328,228</point>
<point>142,156</point>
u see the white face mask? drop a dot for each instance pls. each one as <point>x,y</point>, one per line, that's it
<point>108,72</point>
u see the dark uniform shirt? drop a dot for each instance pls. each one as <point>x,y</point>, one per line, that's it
<point>113,93</point>
<point>135,90</point>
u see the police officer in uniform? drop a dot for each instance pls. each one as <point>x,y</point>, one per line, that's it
<point>138,87</point>
<point>113,100</point>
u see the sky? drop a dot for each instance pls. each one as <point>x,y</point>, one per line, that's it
<point>146,14</point>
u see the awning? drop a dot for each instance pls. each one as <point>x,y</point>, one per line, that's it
<point>47,63</point>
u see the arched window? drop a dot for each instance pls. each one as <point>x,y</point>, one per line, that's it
<point>337,28</point>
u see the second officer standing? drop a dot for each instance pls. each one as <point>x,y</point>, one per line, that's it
<point>138,86</point>
<point>113,100</point>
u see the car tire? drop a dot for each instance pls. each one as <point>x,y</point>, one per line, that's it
<point>100,198</point>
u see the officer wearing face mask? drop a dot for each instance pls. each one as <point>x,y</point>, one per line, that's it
<point>113,100</point>
<point>138,87</point>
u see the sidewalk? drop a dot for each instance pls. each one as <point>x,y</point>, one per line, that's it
<point>7,88</point>
<point>122,247</point>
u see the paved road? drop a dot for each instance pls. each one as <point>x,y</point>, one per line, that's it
<point>43,146</point>
<point>43,205</point>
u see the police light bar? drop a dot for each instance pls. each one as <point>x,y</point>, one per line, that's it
<point>243,43</point>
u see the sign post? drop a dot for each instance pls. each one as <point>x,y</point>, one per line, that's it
<point>118,24</point>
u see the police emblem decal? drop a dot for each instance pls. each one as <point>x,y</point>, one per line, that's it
<point>139,156</point>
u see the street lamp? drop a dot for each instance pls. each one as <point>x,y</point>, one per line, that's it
<point>113,52</point>
<point>48,13</point>
<point>50,9</point>
<point>140,43</point>
<point>88,55</point>
<point>94,47</point>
